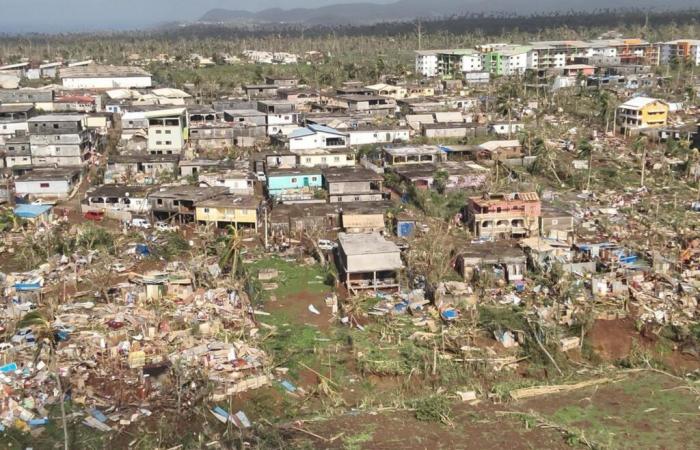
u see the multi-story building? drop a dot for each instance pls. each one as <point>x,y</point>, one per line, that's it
<point>642,112</point>
<point>511,60</point>
<point>503,216</point>
<point>448,63</point>
<point>167,131</point>
<point>59,140</point>
<point>681,50</point>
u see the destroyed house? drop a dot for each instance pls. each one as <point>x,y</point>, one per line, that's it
<point>250,117</point>
<point>503,216</point>
<point>556,223</point>
<point>497,260</point>
<point>150,165</point>
<point>355,184</point>
<point>179,202</point>
<point>228,209</point>
<point>290,220</point>
<point>458,175</point>
<point>281,81</point>
<point>26,96</point>
<point>191,167</point>
<point>368,261</point>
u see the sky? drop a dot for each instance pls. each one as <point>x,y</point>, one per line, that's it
<point>17,16</point>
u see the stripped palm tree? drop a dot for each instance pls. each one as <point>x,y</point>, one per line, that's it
<point>45,335</point>
<point>231,252</point>
<point>585,150</point>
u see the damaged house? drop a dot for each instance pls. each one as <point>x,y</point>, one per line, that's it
<point>501,260</point>
<point>368,262</point>
<point>355,184</point>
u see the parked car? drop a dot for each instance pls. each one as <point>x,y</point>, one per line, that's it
<point>325,244</point>
<point>138,222</point>
<point>96,216</point>
<point>260,176</point>
<point>163,226</point>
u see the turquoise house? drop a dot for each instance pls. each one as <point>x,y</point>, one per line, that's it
<point>294,184</point>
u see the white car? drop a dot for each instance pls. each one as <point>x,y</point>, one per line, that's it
<point>163,226</point>
<point>138,222</point>
<point>325,244</point>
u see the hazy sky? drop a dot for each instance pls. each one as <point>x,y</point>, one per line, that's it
<point>78,15</point>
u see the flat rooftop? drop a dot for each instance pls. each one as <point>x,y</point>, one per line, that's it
<point>58,174</point>
<point>366,244</point>
<point>99,71</point>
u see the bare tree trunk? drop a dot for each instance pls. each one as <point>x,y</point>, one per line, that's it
<point>590,169</point>
<point>63,407</point>
<point>644,165</point>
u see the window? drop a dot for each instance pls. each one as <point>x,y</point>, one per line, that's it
<point>206,210</point>
<point>294,180</point>
<point>308,160</point>
<point>168,132</point>
<point>44,185</point>
<point>313,178</point>
<point>55,126</point>
<point>158,131</point>
<point>159,142</point>
<point>168,142</point>
<point>159,201</point>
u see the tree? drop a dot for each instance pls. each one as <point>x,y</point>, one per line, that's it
<point>440,179</point>
<point>45,335</point>
<point>640,143</point>
<point>585,150</point>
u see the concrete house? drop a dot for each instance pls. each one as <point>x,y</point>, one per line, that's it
<point>319,157</point>
<point>500,260</point>
<point>282,81</point>
<point>40,98</point>
<point>13,120</point>
<point>281,116</point>
<point>294,184</point>
<point>118,201</point>
<point>167,131</point>
<point>140,166</point>
<point>367,135</point>
<point>59,140</point>
<point>238,182</point>
<point>17,152</point>
<point>355,184</point>
<point>460,175</point>
<point>227,210</point>
<point>394,155</point>
<point>368,262</point>
<point>179,202</point>
<point>317,136</point>
<point>642,112</point>
<point>260,90</point>
<point>363,104</point>
<point>504,216</point>
<point>48,184</point>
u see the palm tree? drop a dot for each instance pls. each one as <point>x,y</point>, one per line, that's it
<point>585,150</point>
<point>44,332</point>
<point>231,253</point>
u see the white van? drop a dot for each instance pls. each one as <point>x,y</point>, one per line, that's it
<point>138,222</point>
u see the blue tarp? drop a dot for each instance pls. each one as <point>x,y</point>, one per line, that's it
<point>142,249</point>
<point>31,211</point>
<point>8,368</point>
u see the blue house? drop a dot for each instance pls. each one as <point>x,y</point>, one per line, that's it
<point>293,184</point>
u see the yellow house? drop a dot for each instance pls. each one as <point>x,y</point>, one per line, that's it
<point>388,90</point>
<point>229,210</point>
<point>417,90</point>
<point>642,112</point>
